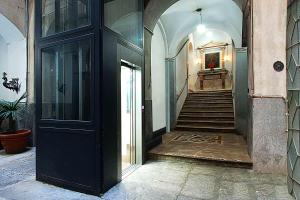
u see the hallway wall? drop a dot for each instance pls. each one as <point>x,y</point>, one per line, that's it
<point>181,77</point>
<point>241,92</point>
<point>268,96</point>
<point>12,58</point>
<point>158,79</point>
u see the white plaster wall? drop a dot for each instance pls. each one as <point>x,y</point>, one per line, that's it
<point>181,78</point>
<point>158,74</point>
<point>13,62</point>
<point>180,101</point>
<point>269,46</point>
<point>181,69</point>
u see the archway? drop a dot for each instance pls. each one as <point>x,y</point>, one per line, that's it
<point>153,11</point>
<point>185,45</point>
<point>12,46</point>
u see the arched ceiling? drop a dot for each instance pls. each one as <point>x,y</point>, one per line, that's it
<point>14,11</point>
<point>240,3</point>
<point>9,32</point>
<point>181,19</point>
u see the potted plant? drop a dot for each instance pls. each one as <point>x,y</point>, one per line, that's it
<point>13,140</point>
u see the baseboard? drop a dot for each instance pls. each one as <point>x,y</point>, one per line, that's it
<point>156,138</point>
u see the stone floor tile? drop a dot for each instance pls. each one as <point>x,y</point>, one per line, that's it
<point>200,186</point>
<point>207,170</point>
<point>167,180</point>
<point>279,179</point>
<point>281,192</point>
<point>33,190</point>
<point>186,198</point>
<point>234,191</point>
<point>258,178</point>
<point>171,176</point>
<point>235,175</point>
<point>264,191</point>
<point>132,191</point>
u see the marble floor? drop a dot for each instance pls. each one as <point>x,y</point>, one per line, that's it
<point>156,180</point>
<point>227,147</point>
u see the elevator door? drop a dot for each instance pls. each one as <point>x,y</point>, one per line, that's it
<point>130,117</point>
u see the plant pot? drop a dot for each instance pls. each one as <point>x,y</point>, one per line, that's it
<point>15,142</point>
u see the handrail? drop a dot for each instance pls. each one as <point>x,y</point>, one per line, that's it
<point>180,49</point>
<point>182,89</point>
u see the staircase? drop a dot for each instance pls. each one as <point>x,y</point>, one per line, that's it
<point>209,111</point>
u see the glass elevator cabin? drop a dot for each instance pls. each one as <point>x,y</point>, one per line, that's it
<point>89,97</point>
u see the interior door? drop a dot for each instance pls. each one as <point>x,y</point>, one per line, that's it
<point>293,83</point>
<point>131,122</point>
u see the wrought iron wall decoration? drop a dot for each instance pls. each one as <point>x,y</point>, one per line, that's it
<point>13,85</point>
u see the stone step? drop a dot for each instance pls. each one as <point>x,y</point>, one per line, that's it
<point>211,102</point>
<point>208,114</point>
<point>187,105</point>
<point>210,95</point>
<point>214,129</point>
<point>205,123</point>
<point>200,160</point>
<point>212,92</point>
<point>207,117</point>
<point>198,98</point>
<point>204,109</point>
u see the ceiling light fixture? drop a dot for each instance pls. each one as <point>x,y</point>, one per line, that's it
<point>201,28</point>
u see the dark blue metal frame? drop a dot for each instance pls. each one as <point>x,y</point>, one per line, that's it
<point>84,155</point>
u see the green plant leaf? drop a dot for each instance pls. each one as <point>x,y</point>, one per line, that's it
<point>12,110</point>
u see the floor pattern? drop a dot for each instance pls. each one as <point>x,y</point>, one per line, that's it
<point>204,146</point>
<point>196,138</point>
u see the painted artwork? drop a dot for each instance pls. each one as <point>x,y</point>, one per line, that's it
<point>212,61</point>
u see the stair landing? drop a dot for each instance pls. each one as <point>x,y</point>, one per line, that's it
<point>230,149</point>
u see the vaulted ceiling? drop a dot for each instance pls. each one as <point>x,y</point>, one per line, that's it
<point>240,3</point>
<point>181,19</point>
<point>9,32</point>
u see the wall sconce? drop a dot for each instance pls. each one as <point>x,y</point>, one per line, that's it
<point>227,58</point>
<point>198,61</point>
<point>13,85</point>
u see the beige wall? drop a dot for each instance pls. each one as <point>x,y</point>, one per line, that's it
<point>158,79</point>
<point>267,137</point>
<point>30,72</point>
<point>269,44</point>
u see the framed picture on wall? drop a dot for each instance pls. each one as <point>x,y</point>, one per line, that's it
<point>212,61</point>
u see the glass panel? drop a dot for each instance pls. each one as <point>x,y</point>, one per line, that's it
<point>138,116</point>
<point>66,81</point>
<point>127,116</point>
<point>125,18</point>
<point>63,15</point>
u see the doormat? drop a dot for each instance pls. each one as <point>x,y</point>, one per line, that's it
<point>199,139</point>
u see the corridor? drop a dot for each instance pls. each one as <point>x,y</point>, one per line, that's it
<point>168,180</point>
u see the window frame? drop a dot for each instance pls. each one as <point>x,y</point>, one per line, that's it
<point>86,28</point>
<point>90,37</point>
<point>139,46</point>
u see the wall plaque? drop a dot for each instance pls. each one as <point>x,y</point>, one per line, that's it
<point>278,66</point>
